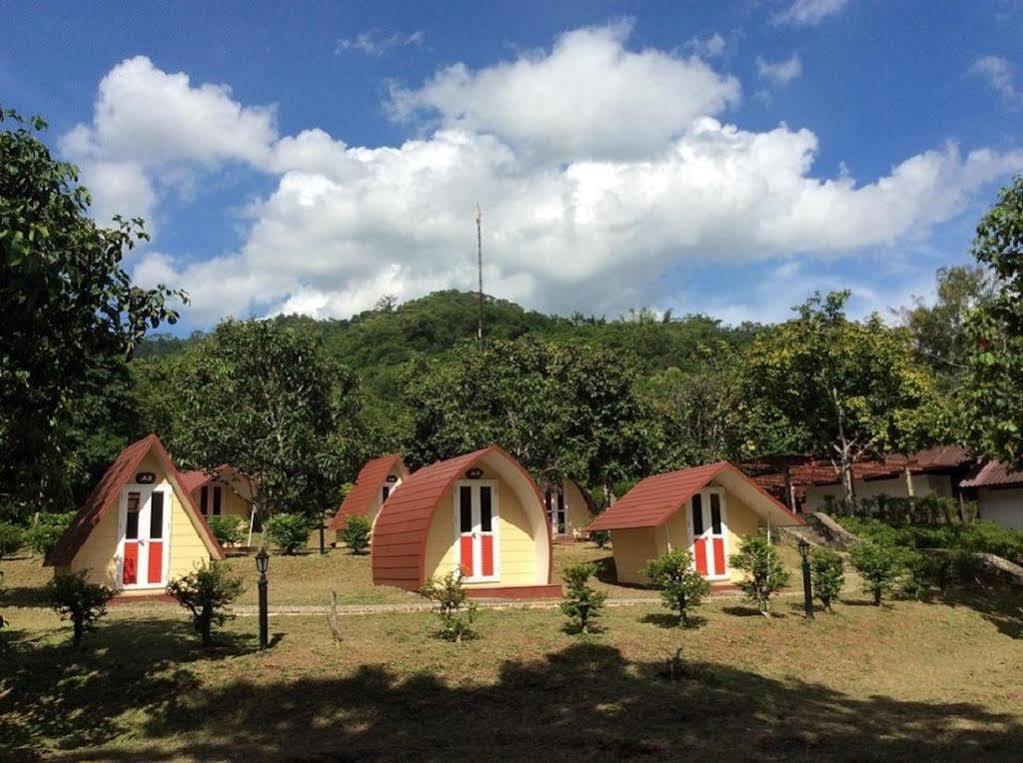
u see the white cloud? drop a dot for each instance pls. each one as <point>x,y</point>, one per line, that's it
<point>780,73</point>
<point>372,43</point>
<point>999,76</point>
<point>712,46</point>
<point>808,12</point>
<point>563,229</point>
<point>589,97</point>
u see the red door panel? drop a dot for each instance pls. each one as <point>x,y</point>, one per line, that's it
<point>131,563</point>
<point>719,556</point>
<point>155,561</point>
<point>466,553</point>
<point>700,552</point>
<point>487,552</point>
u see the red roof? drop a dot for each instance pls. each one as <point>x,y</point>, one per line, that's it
<point>995,474</point>
<point>106,494</point>
<point>656,498</point>
<point>194,479</point>
<point>399,538</point>
<point>371,478</point>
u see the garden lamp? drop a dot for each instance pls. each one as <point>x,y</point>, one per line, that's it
<point>804,551</point>
<point>262,564</point>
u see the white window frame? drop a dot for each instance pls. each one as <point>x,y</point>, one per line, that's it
<point>705,499</point>
<point>477,545</point>
<point>145,506</point>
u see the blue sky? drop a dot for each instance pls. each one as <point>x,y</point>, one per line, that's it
<point>725,158</point>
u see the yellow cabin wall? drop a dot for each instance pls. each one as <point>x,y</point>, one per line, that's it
<point>231,503</point>
<point>633,548</point>
<point>517,547</point>
<point>97,556</point>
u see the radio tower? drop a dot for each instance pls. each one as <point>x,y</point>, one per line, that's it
<point>479,265</point>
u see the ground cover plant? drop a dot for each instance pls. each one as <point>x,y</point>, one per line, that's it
<point>977,536</point>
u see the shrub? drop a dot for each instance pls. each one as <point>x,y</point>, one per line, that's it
<point>79,601</point>
<point>454,608</point>
<point>206,592</point>
<point>765,573</point>
<point>289,532</point>
<point>356,534</point>
<point>229,529</point>
<point>601,538</point>
<point>682,587</point>
<point>42,536</point>
<point>826,575</point>
<point>12,538</point>
<point>880,564</point>
<point>581,602</point>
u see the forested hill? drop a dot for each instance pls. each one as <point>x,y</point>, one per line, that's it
<point>392,334</point>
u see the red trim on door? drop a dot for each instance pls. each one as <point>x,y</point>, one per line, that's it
<point>155,561</point>
<point>700,552</point>
<point>719,556</point>
<point>131,563</point>
<point>466,549</point>
<point>487,552</point>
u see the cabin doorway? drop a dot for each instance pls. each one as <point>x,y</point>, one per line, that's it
<point>143,527</point>
<point>476,515</point>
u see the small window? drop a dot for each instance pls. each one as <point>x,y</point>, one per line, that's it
<point>156,516</point>
<point>697,514</point>
<point>549,504</point>
<point>216,500</point>
<point>561,512</point>
<point>465,508</point>
<point>715,513</point>
<point>204,501</point>
<point>131,527</point>
<point>384,492</point>
<point>486,511</point>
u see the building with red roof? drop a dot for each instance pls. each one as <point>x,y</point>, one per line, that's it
<point>378,478</point>
<point>480,512</point>
<point>705,510</point>
<point>999,492</point>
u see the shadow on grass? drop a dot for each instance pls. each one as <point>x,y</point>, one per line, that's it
<point>1001,606</point>
<point>738,610</point>
<point>134,678</point>
<point>673,622</point>
<point>24,596</point>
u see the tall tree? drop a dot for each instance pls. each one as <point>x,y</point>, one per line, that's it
<point>269,400</point>
<point>835,388</point>
<point>69,310</point>
<point>992,403</point>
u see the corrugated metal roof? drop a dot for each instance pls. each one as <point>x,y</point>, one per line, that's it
<point>368,482</point>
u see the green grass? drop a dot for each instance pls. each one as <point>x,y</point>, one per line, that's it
<point>911,680</point>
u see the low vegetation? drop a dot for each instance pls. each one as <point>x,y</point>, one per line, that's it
<point>288,532</point>
<point>228,529</point>
<point>356,534</point>
<point>206,593</point>
<point>764,572</point>
<point>581,603</point>
<point>880,565</point>
<point>682,587</point>
<point>454,608</point>
<point>79,601</point>
<point>827,575</point>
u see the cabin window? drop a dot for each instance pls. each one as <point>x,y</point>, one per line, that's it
<point>131,527</point>
<point>715,513</point>
<point>156,516</point>
<point>554,501</point>
<point>384,492</point>
<point>697,515</point>
<point>217,497</point>
<point>465,508</point>
<point>204,501</point>
<point>486,510</point>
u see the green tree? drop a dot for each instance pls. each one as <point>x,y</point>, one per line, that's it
<point>206,593</point>
<point>289,532</point>
<point>992,418</point>
<point>356,534</point>
<point>834,388</point>
<point>765,573</point>
<point>880,564</point>
<point>69,310</point>
<point>581,602</point>
<point>682,587</point>
<point>827,576</point>
<point>77,600</point>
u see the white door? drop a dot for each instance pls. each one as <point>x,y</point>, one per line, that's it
<point>557,512</point>
<point>708,526</point>
<point>476,547</point>
<point>143,529</point>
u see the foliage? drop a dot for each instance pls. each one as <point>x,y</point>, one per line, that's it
<point>601,537</point>
<point>682,587</point>
<point>289,532</point>
<point>985,537</point>
<point>356,533</point>
<point>880,564</point>
<point>205,593</point>
<point>79,601</point>
<point>12,537</point>
<point>454,608</point>
<point>71,316</point>
<point>765,573</point>
<point>581,602</point>
<point>827,576</point>
<point>992,415</point>
<point>44,533</point>
<point>229,529</point>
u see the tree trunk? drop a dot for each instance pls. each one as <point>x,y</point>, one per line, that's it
<point>877,597</point>
<point>79,627</point>
<point>910,491</point>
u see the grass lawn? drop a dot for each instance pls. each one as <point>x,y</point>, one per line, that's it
<point>913,680</point>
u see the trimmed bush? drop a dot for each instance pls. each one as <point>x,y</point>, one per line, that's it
<point>289,532</point>
<point>826,575</point>
<point>581,603</point>
<point>455,610</point>
<point>682,587</point>
<point>228,529</point>
<point>205,593</point>
<point>765,573</point>
<point>601,537</point>
<point>12,537</point>
<point>356,534</point>
<point>880,564</point>
<point>79,601</point>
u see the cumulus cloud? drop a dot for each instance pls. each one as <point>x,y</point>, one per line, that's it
<point>808,12</point>
<point>583,223</point>
<point>372,43</point>
<point>999,77</point>
<point>589,97</point>
<point>780,72</point>
<point>712,46</point>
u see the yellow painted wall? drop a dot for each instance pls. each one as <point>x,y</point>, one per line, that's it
<point>516,545</point>
<point>633,548</point>
<point>98,552</point>
<point>231,503</point>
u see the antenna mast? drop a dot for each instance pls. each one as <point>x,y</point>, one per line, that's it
<point>479,265</point>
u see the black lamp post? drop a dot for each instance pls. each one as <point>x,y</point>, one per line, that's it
<point>262,563</point>
<point>804,551</point>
